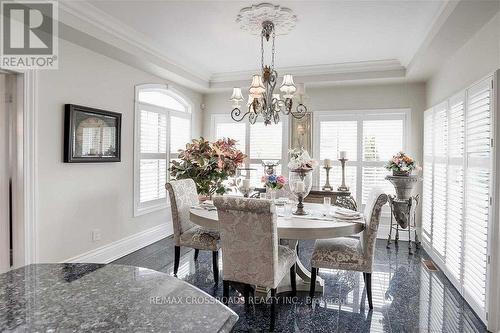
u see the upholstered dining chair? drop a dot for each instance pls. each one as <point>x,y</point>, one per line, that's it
<point>354,254</point>
<point>250,251</point>
<point>183,195</point>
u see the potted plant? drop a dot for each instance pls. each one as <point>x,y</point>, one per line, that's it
<point>401,165</point>
<point>208,164</point>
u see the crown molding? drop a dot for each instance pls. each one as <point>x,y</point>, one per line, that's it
<point>108,25</point>
<point>389,65</point>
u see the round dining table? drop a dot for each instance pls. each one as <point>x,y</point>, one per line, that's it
<point>292,229</point>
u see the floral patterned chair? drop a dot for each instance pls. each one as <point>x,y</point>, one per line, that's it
<point>351,253</point>
<point>249,241</point>
<point>183,195</point>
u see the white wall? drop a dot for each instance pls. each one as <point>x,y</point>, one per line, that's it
<point>477,58</point>
<point>74,199</point>
<point>341,98</point>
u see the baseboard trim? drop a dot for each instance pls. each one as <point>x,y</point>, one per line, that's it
<point>112,251</point>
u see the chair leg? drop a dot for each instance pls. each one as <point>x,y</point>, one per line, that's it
<point>293,280</point>
<point>215,264</point>
<point>314,272</point>
<point>368,282</point>
<point>225,292</point>
<point>273,309</point>
<point>196,251</point>
<point>177,257</point>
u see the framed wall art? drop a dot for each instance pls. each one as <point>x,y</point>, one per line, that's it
<point>91,135</point>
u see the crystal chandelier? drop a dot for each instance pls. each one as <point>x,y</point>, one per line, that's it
<point>262,100</point>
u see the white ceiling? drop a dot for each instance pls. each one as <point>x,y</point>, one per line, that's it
<point>204,37</point>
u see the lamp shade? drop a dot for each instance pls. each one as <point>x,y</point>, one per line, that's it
<point>257,87</point>
<point>288,86</point>
<point>237,96</point>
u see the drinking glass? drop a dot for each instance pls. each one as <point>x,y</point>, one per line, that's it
<point>327,204</point>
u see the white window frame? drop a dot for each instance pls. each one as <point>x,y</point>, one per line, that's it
<point>226,118</point>
<point>359,116</point>
<point>159,204</point>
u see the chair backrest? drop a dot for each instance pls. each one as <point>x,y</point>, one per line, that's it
<point>183,195</point>
<point>249,240</point>
<point>376,200</point>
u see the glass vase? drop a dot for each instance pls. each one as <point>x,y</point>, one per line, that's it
<point>300,175</point>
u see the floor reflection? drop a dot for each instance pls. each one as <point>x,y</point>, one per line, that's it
<point>406,297</point>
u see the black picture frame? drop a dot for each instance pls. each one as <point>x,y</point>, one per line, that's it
<point>74,116</point>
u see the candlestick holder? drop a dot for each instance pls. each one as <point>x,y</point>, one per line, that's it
<point>343,187</point>
<point>327,186</point>
<point>300,206</point>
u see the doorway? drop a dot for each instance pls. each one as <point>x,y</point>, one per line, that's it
<point>11,175</point>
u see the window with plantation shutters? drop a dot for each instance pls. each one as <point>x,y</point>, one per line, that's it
<point>369,138</point>
<point>457,190</point>
<point>162,127</point>
<point>258,141</point>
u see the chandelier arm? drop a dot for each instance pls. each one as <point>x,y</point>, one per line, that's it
<point>236,114</point>
<point>300,111</point>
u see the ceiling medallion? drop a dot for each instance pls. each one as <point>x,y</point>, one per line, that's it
<point>251,18</point>
<point>268,20</point>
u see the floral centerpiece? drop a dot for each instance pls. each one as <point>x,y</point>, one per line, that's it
<point>402,164</point>
<point>274,182</point>
<point>208,164</point>
<point>300,159</point>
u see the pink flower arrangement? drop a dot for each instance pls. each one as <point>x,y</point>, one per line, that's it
<point>273,181</point>
<point>402,163</point>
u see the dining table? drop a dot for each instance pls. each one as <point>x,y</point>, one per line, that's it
<point>291,229</point>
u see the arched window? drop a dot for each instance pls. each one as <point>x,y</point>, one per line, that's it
<point>162,127</point>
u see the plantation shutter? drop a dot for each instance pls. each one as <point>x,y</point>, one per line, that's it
<point>455,188</point>
<point>180,134</point>
<point>381,140</point>
<point>336,136</point>
<point>152,155</point>
<point>428,193</point>
<point>266,141</point>
<point>478,136</point>
<point>440,166</point>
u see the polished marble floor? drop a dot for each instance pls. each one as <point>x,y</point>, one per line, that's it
<point>406,296</point>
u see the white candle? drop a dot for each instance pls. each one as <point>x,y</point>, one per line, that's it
<point>327,162</point>
<point>300,186</point>
<point>342,154</point>
<point>246,184</point>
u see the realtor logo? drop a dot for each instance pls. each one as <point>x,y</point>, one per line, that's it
<point>29,35</point>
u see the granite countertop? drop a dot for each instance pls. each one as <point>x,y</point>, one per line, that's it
<point>94,297</point>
